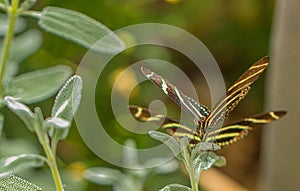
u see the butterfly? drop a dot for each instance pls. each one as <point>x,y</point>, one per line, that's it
<point>205,119</point>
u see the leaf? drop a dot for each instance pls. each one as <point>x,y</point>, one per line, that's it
<point>184,143</point>
<point>19,26</point>
<point>166,139</point>
<point>57,123</point>
<point>205,161</point>
<point>10,147</point>
<point>14,183</point>
<point>27,4</point>
<point>176,187</point>
<point>68,99</point>
<point>38,85</point>
<point>11,70</point>
<point>167,165</point>
<point>130,155</point>
<point>22,47</point>
<point>220,162</point>
<point>204,146</point>
<point>14,164</point>
<point>81,29</point>
<point>66,104</point>
<point>25,45</point>
<point>103,176</point>
<point>1,124</point>
<point>22,111</point>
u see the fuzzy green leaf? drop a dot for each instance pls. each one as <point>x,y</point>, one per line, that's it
<point>81,29</point>
<point>10,147</point>
<point>204,147</point>
<point>176,187</point>
<point>27,4</point>
<point>14,164</point>
<point>205,161</point>
<point>57,123</point>
<point>22,47</point>
<point>103,176</point>
<point>167,165</point>
<point>22,111</point>
<point>19,26</point>
<point>25,45</point>
<point>166,139</point>
<point>130,154</point>
<point>14,183</point>
<point>38,85</point>
<point>66,104</point>
<point>1,124</point>
<point>220,162</point>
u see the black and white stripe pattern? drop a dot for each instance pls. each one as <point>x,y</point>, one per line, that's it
<point>197,110</point>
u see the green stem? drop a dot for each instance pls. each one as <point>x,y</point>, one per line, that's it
<point>43,138</point>
<point>12,16</point>
<point>190,168</point>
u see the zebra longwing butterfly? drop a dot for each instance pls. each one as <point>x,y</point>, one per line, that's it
<point>206,119</point>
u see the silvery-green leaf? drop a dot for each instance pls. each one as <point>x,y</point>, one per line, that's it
<point>104,176</point>
<point>130,154</point>
<point>14,164</point>
<point>11,70</point>
<point>25,45</point>
<point>38,85</point>
<point>57,123</point>
<point>165,167</point>
<point>66,104</point>
<point>166,139</point>
<point>204,146</point>
<point>17,146</point>
<point>1,124</point>
<point>22,47</point>
<point>68,99</point>
<point>27,4</point>
<point>22,111</point>
<point>176,187</point>
<point>220,162</point>
<point>184,142</point>
<point>14,183</point>
<point>205,161</point>
<point>19,26</point>
<point>81,29</point>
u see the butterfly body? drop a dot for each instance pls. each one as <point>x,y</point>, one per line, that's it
<point>209,122</point>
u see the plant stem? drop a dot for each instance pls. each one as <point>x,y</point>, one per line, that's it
<point>43,138</point>
<point>12,16</point>
<point>190,168</point>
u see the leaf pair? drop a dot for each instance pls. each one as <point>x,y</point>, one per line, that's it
<point>66,104</point>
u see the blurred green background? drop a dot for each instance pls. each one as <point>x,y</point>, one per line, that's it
<point>237,34</point>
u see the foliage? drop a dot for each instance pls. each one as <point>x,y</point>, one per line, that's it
<point>18,90</point>
<point>196,159</point>
<point>244,32</point>
<point>13,183</point>
<point>132,179</point>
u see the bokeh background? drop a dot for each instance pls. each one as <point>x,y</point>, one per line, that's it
<point>237,32</point>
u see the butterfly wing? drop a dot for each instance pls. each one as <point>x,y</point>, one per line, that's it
<point>236,92</point>
<point>197,110</point>
<point>173,127</point>
<point>238,130</point>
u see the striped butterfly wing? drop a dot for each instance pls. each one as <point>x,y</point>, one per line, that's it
<point>173,127</point>
<point>197,110</point>
<point>238,130</point>
<point>236,92</point>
